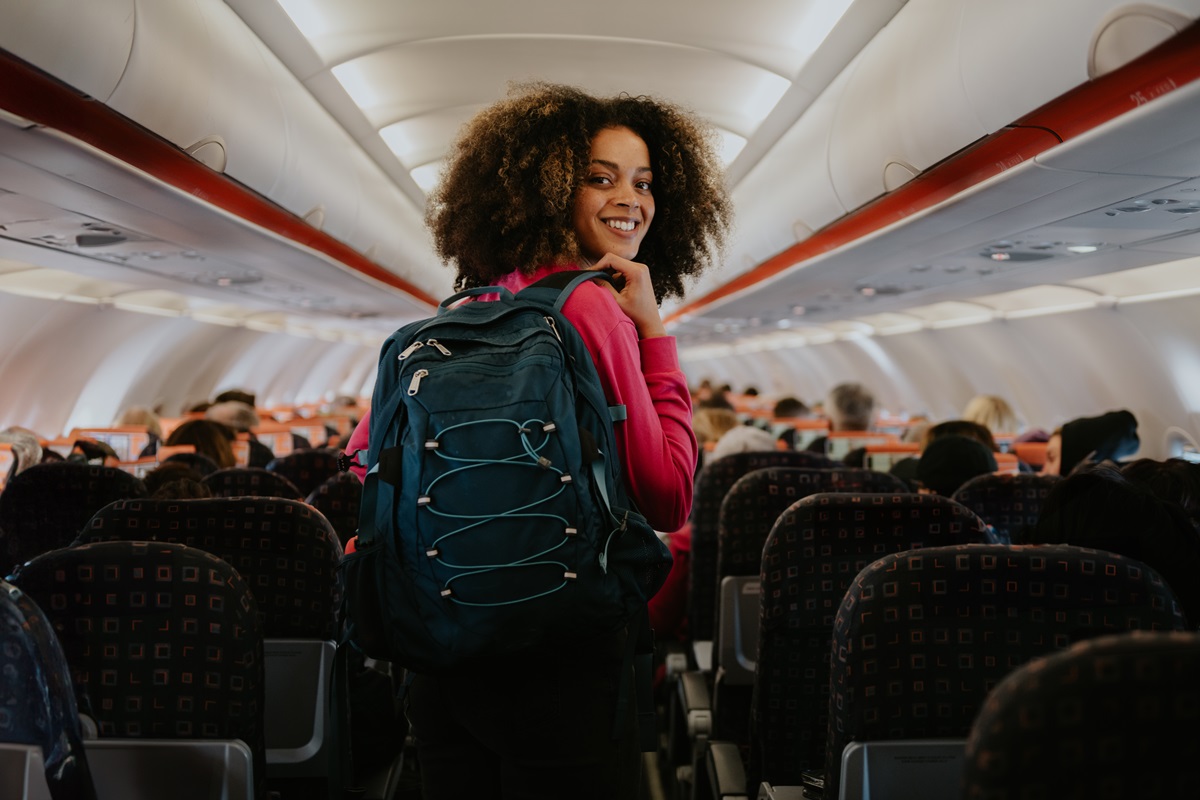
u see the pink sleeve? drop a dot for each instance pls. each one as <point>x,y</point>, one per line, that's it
<point>358,441</point>
<point>656,442</point>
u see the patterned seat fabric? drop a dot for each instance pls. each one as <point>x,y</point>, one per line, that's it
<point>37,700</point>
<point>714,480</point>
<point>162,640</point>
<point>921,637</point>
<point>811,557</point>
<point>251,482</point>
<point>46,506</point>
<point>1117,716</point>
<point>306,469</point>
<point>285,551</point>
<point>1009,504</point>
<point>339,499</point>
<point>747,515</point>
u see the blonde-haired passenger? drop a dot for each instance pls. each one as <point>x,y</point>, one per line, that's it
<point>992,412</point>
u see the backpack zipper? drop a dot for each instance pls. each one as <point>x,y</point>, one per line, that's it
<point>408,351</point>
<point>415,384</point>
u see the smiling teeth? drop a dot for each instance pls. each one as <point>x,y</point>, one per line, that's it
<point>619,225</point>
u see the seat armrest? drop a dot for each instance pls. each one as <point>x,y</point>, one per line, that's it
<point>768,792</point>
<point>726,772</point>
<point>696,702</point>
<point>702,654</point>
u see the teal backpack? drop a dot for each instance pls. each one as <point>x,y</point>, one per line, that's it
<point>494,516</point>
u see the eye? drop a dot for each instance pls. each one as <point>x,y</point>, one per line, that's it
<point>643,185</point>
<point>599,180</point>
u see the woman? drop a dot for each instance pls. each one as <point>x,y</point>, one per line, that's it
<point>547,180</point>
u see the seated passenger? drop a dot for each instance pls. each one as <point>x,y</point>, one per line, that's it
<point>1090,440</point>
<point>790,408</point>
<point>1096,506</point>
<point>849,407</point>
<point>992,412</point>
<point>950,461</point>
<point>742,439</point>
<point>210,438</point>
<point>242,418</point>
<point>1175,480</point>
<point>26,448</point>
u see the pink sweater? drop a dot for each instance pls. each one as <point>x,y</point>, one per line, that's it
<point>656,442</point>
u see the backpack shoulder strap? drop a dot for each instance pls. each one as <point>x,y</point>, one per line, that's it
<point>557,286</point>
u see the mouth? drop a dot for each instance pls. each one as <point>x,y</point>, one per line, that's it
<point>623,225</point>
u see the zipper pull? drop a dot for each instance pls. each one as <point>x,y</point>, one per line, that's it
<point>553,327</point>
<point>440,347</point>
<point>415,383</point>
<point>408,351</point>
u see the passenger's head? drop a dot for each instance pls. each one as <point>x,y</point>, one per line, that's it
<point>992,412</point>
<point>175,480</point>
<point>1091,440</point>
<point>789,408</point>
<point>950,461</point>
<point>959,427</point>
<point>531,181</point>
<point>236,396</point>
<point>141,415</point>
<point>849,407</point>
<point>743,439</point>
<point>26,448</point>
<point>710,424</point>
<point>235,414</point>
<point>208,437</point>
<point>1175,480</point>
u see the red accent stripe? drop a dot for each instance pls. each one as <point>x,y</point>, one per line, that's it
<point>30,93</point>
<point>1169,66</point>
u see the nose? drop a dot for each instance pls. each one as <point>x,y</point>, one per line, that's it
<point>628,198</point>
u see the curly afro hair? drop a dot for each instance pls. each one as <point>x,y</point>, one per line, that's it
<point>506,195</point>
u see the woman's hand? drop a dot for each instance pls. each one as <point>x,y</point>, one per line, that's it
<point>636,296</point>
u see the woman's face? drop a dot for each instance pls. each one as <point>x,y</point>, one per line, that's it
<point>1053,465</point>
<point>614,206</point>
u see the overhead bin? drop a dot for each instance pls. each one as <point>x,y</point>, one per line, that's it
<point>980,67</point>
<point>46,34</point>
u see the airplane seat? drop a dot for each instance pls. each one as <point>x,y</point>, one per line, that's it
<point>339,499</point>
<point>1115,716</point>
<point>811,557</point>
<point>163,643</point>
<point>922,636</point>
<point>306,469</point>
<point>251,482</point>
<point>37,700</point>
<point>748,513</point>
<point>712,483</point>
<point>44,507</point>
<point>288,554</point>
<point>1009,504</point>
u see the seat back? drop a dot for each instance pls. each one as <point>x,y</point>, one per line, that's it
<point>22,773</point>
<point>288,554</point>
<point>46,506</point>
<point>339,499</point>
<point>251,482</point>
<point>163,640</point>
<point>1009,504</point>
<point>285,551</point>
<point>306,469</point>
<point>811,557</point>
<point>37,700</point>
<point>1116,716</point>
<point>921,637</point>
<point>748,512</point>
<point>714,480</point>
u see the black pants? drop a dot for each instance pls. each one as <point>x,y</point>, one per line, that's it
<point>538,727</point>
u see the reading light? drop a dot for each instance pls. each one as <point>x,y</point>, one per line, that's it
<point>1083,248</point>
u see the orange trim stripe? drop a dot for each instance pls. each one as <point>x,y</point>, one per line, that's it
<point>1174,63</point>
<point>32,94</point>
